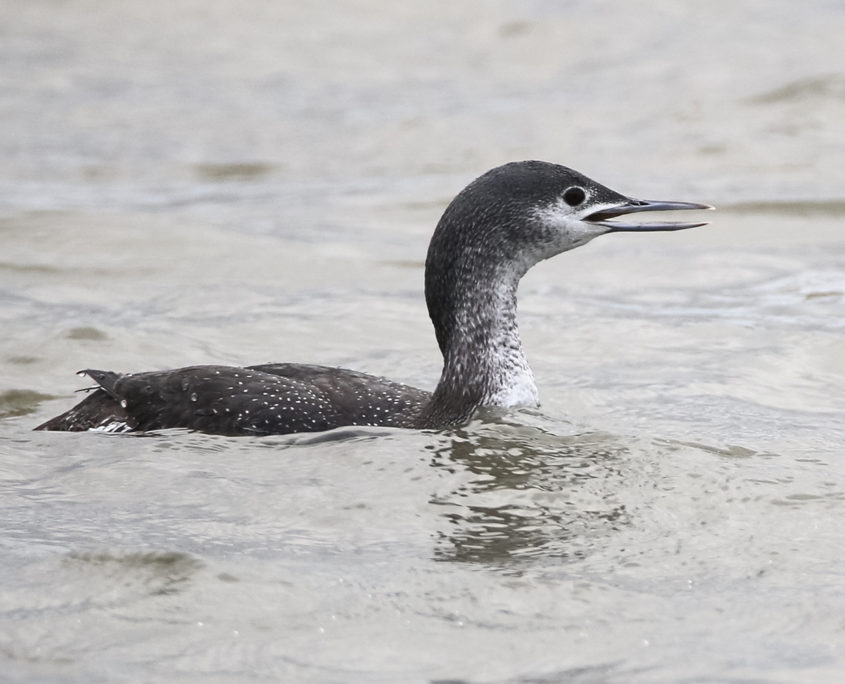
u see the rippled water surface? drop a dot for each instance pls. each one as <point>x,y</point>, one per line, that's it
<point>219,182</point>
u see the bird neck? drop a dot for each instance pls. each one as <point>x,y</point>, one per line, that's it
<point>483,361</point>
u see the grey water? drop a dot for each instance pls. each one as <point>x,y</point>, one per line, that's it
<point>216,182</point>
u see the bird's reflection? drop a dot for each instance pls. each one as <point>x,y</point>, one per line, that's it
<point>525,494</point>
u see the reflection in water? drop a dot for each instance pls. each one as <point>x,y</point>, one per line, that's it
<point>20,402</point>
<point>82,581</point>
<point>153,573</point>
<point>527,494</point>
<point>234,171</point>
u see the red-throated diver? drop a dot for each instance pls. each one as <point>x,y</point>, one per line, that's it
<point>498,227</point>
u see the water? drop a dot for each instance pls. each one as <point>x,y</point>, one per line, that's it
<point>223,183</point>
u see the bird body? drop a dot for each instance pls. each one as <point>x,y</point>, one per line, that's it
<point>492,232</point>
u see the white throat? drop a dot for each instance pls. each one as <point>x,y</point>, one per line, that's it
<point>499,358</point>
<point>517,387</point>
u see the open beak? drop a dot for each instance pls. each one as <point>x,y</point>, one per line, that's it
<point>604,217</point>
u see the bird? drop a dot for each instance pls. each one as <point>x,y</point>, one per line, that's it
<point>491,233</point>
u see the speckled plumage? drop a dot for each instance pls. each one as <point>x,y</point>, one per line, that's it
<point>258,400</point>
<point>499,226</point>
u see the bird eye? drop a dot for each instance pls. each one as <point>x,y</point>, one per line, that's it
<point>574,196</point>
